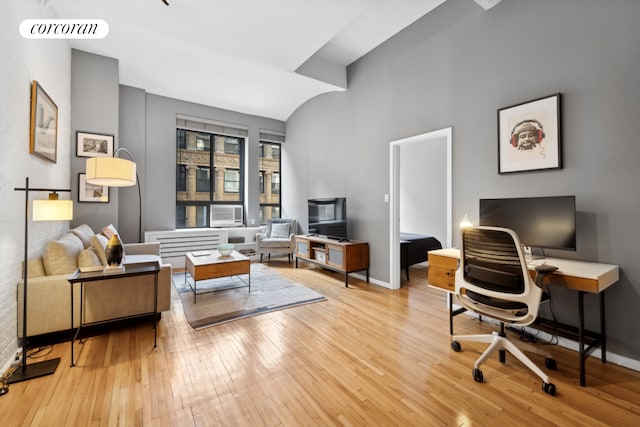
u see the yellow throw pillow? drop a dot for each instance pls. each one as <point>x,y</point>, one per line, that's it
<point>98,244</point>
<point>88,258</point>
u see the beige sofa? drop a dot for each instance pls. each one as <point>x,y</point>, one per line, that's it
<point>49,293</point>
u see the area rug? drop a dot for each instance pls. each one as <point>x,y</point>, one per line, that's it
<point>232,300</point>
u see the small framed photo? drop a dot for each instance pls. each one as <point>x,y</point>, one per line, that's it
<point>94,145</point>
<point>44,124</point>
<point>529,136</point>
<point>89,193</point>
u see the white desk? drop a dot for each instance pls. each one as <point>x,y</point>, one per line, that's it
<point>581,276</point>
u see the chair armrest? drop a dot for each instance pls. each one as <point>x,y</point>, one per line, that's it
<point>542,271</point>
<point>152,248</point>
<point>260,236</point>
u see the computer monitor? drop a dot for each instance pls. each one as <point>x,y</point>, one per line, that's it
<point>541,222</point>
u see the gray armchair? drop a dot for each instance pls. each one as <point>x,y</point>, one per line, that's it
<point>278,239</point>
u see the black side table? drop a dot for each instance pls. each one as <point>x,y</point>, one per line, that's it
<point>130,270</point>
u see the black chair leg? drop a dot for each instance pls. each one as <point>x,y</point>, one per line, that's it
<point>261,257</point>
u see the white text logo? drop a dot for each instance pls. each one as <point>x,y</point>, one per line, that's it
<point>64,29</point>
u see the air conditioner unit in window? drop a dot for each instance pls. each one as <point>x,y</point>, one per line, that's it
<point>226,216</point>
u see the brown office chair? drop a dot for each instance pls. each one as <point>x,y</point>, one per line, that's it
<point>493,280</point>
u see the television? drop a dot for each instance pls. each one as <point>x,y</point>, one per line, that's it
<point>328,217</point>
<point>541,222</point>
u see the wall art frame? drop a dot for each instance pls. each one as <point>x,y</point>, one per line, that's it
<point>90,193</point>
<point>529,136</point>
<point>43,135</point>
<point>94,144</point>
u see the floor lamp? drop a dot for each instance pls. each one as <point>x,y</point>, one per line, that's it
<point>51,209</point>
<point>116,172</point>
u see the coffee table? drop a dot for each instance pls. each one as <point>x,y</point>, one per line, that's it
<point>207,265</point>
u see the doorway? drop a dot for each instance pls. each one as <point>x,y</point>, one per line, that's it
<point>437,136</point>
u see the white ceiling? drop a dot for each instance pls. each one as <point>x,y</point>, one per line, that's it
<point>240,55</point>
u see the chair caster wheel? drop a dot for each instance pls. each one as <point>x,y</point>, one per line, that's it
<point>455,346</point>
<point>549,388</point>
<point>477,375</point>
<point>550,363</point>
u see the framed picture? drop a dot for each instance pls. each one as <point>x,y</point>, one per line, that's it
<point>93,145</point>
<point>529,136</point>
<point>89,193</point>
<point>44,124</point>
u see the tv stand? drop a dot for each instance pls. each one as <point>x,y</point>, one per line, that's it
<point>341,256</point>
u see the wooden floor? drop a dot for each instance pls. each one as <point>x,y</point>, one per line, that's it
<point>365,357</point>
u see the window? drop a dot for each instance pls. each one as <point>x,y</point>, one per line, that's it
<point>270,181</point>
<point>231,181</point>
<point>209,170</point>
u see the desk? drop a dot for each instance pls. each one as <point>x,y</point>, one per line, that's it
<point>95,276</point>
<point>581,276</point>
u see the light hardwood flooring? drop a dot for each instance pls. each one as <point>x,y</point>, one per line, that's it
<point>367,356</point>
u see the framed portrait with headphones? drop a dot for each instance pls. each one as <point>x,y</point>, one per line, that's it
<point>529,137</point>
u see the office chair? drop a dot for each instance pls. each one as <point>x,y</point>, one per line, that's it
<point>493,280</point>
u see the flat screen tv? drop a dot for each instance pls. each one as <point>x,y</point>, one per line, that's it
<point>328,217</point>
<point>541,222</point>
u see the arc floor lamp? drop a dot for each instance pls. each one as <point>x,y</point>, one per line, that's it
<point>116,172</point>
<point>51,209</point>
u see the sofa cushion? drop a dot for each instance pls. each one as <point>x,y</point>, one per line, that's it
<point>89,258</point>
<point>84,233</point>
<point>280,231</point>
<point>98,244</point>
<point>61,256</point>
<point>275,243</point>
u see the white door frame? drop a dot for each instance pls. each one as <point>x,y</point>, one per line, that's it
<point>394,199</point>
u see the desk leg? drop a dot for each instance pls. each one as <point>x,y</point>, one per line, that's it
<point>581,337</point>
<point>73,337</point>
<point>450,298</point>
<point>603,331</point>
<point>155,311</point>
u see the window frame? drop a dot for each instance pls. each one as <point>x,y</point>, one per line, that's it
<point>203,205</point>
<point>261,182</point>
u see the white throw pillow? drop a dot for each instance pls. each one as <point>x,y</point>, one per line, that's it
<point>280,231</point>
<point>61,256</point>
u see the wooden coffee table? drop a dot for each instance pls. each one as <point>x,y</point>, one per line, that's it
<point>207,265</point>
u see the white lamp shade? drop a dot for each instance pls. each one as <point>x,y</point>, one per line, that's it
<point>52,210</point>
<point>111,171</point>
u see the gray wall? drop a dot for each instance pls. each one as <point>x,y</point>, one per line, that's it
<point>148,128</point>
<point>458,66</point>
<point>94,102</point>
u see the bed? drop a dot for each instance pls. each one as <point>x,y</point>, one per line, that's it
<point>414,248</point>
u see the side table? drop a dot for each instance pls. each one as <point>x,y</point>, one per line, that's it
<point>96,276</point>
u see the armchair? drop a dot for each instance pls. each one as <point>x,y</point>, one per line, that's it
<point>278,239</point>
<point>493,280</point>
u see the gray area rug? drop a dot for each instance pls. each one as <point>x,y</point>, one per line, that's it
<point>232,300</point>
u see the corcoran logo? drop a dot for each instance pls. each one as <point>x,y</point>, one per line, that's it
<point>64,29</point>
